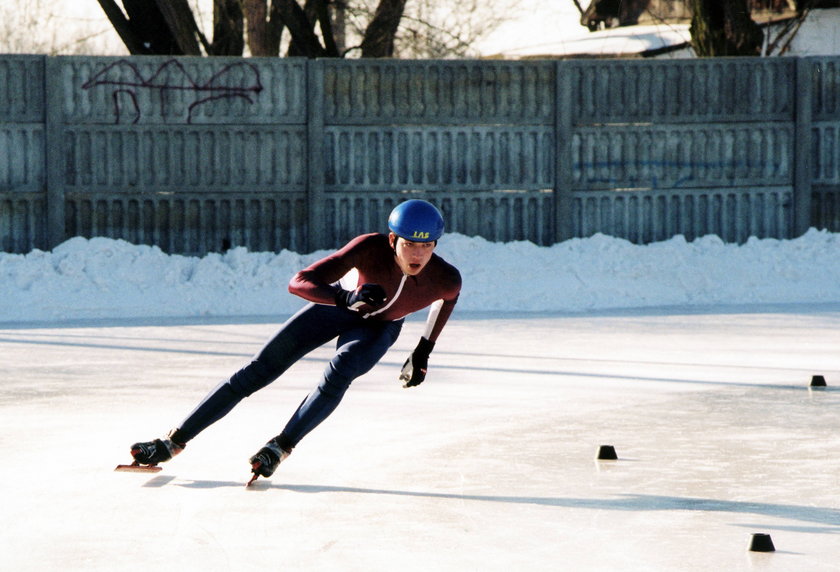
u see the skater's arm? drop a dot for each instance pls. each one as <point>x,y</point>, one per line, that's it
<point>439,313</point>
<point>414,369</point>
<point>316,282</point>
<point>448,281</point>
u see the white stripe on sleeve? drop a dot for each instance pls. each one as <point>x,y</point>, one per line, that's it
<point>434,312</point>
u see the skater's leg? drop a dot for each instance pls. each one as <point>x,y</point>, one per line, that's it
<point>358,351</point>
<point>310,328</point>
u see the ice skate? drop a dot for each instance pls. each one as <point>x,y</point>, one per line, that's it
<point>148,454</point>
<point>265,462</point>
<point>154,452</point>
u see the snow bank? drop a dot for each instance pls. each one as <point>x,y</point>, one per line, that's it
<point>104,278</point>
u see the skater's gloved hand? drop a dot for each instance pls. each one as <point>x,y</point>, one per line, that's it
<point>370,294</point>
<point>414,369</point>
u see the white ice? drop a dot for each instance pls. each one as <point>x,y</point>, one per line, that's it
<point>693,360</point>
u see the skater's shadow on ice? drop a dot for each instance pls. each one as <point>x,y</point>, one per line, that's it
<point>217,484</point>
<point>627,502</point>
<point>159,481</point>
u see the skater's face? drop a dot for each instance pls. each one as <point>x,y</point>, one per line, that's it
<point>412,257</point>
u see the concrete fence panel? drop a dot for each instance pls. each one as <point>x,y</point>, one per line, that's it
<point>203,154</point>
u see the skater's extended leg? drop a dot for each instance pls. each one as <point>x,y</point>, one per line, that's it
<point>358,351</point>
<point>310,328</point>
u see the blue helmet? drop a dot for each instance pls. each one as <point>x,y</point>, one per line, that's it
<point>417,221</point>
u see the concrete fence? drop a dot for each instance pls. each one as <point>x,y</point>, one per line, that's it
<point>201,154</point>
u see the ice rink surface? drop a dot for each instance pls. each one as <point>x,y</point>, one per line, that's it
<point>489,465</point>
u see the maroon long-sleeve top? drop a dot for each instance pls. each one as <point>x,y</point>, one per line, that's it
<point>437,285</point>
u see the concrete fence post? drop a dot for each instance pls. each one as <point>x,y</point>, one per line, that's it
<point>54,151</point>
<point>316,235</point>
<point>563,130</point>
<point>802,178</point>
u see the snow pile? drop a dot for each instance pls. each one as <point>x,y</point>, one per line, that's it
<point>104,278</point>
<point>604,272</point>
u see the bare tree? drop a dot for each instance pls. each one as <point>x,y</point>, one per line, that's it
<point>724,28</point>
<point>301,25</point>
<point>228,27</point>
<point>156,26</point>
<point>169,27</point>
<point>316,28</point>
<point>379,36</point>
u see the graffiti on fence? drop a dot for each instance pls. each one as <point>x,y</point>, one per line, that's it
<point>240,80</point>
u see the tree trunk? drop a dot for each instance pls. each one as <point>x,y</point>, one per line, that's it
<point>124,28</point>
<point>339,24</point>
<point>256,15</point>
<point>228,28</point>
<point>325,23</point>
<point>168,27</point>
<point>724,28</point>
<point>180,21</point>
<point>382,29</point>
<point>149,27</point>
<point>316,12</point>
<point>275,28</point>
<point>304,41</point>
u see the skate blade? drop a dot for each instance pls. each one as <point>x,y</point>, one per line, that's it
<point>138,468</point>
<point>255,474</point>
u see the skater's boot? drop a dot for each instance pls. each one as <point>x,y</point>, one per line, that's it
<point>157,451</point>
<point>265,462</point>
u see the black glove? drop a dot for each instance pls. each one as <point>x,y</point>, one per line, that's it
<point>414,369</point>
<point>370,294</point>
